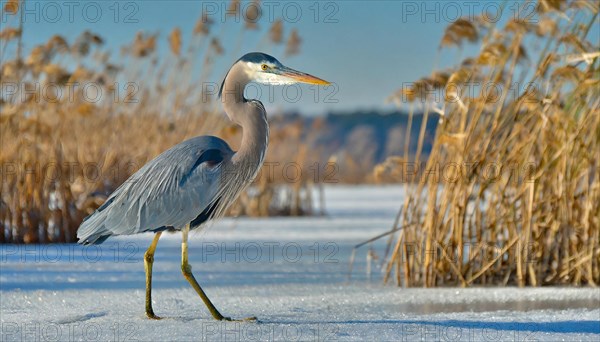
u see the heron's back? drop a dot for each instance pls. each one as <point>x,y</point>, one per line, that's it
<point>173,189</point>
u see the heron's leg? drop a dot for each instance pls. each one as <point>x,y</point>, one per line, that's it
<point>186,268</point>
<point>148,261</point>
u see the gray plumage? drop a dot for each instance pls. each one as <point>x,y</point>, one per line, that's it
<point>197,179</point>
<point>169,191</point>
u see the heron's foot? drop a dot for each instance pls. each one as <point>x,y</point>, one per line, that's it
<point>151,315</point>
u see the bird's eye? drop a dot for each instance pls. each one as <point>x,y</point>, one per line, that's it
<point>264,67</point>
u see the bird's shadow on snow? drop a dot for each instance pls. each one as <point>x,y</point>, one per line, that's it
<point>453,327</point>
<point>80,318</point>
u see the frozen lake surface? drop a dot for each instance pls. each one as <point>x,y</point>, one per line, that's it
<point>292,273</point>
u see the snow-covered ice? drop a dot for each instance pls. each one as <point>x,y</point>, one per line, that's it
<point>292,273</point>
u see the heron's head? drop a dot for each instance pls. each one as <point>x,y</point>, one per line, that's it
<point>262,68</point>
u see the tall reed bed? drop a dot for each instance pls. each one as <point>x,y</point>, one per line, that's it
<point>510,194</point>
<point>75,123</point>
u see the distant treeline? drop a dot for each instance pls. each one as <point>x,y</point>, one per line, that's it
<point>357,141</point>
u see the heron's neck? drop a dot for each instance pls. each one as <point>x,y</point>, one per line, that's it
<point>255,139</point>
<point>251,116</point>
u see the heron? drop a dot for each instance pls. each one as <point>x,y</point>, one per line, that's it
<point>195,181</point>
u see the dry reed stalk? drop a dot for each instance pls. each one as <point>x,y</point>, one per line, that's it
<point>538,226</point>
<point>61,158</point>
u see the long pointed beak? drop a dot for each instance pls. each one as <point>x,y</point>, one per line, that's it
<point>302,77</point>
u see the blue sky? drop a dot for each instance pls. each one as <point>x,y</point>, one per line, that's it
<point>367,48</point>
